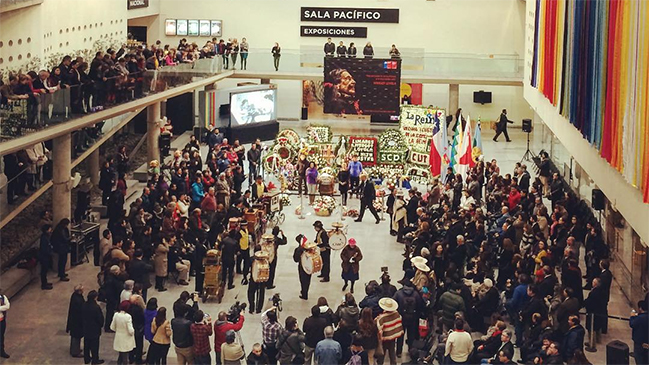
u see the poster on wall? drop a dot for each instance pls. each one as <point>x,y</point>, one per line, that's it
<point>365,148</point>
<point>192,27</point>
<point>205,28</point>
<point>411,94</point>
<point>170,27</point>
<point>216,26</point>
<point>181,27</point>
<point>416,124</point>
<point>362,86</point>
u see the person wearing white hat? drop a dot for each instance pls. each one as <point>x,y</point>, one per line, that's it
<point>390,328</point>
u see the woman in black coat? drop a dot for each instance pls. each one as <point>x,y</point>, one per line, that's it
<point>61,245</point>
<point>75,321</point>
<point>343,182</point>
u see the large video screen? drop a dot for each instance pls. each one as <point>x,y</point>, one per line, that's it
<point>362,86</point>
<point>253,107</point>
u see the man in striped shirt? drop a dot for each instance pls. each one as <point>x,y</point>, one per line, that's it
<point>270,330</point>
<point>390,328</point>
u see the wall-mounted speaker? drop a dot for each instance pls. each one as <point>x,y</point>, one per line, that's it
<point>598,199</point>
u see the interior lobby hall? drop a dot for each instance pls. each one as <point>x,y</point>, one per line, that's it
<point>421,182</point>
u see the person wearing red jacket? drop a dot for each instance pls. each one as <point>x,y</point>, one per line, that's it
<point>222,326</point>
<point>514,198</point>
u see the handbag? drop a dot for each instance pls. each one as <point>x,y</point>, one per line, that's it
<point>379,353</point>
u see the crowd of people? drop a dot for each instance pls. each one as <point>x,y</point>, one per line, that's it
<point>491,254</point>
<point>330,50</point>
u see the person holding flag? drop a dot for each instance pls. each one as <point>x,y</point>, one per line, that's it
<point>438,158</point>
<point>461,149</point>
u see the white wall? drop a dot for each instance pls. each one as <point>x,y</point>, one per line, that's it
<point>444,26</point>
<point>53,29</point>
<point>503,97</point>
<point>622,195</point>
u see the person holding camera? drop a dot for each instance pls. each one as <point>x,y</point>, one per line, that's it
<point>181,306</point>
<point>270,330</point>
<point>201,331</point>
<point>290,343</point>
<point>221,327</point>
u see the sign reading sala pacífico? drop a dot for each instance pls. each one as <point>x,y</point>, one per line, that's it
<point>359,15</point>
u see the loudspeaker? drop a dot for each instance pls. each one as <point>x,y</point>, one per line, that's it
<point>305,113</point>
<point>617,352</point>
<point>527,125</point>
<point>597,199</point>
<point>164,144</point>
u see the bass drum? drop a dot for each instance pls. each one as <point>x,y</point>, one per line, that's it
<point>268,246</point>
<point>311,262</point>
<point>260,271</point>
<point>337,240</point>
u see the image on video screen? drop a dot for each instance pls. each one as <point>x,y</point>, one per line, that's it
<point>252,107</point>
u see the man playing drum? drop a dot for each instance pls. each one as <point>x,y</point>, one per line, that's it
<point>322,240</point>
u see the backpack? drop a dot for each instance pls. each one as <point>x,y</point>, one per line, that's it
<point>355,359</point>
<point>409,307</point>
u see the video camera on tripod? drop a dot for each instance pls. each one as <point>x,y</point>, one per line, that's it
<point>235,311</point>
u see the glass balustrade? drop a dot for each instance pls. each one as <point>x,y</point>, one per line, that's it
<point>21,117</point>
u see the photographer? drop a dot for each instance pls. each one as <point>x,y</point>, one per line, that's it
<point>221,327</point>
<point>181,306</point>
<point>270,330</point>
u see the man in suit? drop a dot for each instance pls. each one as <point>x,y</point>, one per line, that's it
<point>93,321</point>
<point>75,321</point>
<point>501,126</point>
<point>524,179</point>
<point>322,240</point>
<point>639,323</point>
<point>606,278</point>
<point>568,307</point>
<point>139,271</point>
<point>596,305</point>
<point>411,207</point>
<point>368,193</point>
<point>573,340</point>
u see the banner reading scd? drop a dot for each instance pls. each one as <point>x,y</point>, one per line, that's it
<point>362,86</point>
<point>360,15</point>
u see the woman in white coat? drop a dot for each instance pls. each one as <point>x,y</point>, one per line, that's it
<point>124,341</point>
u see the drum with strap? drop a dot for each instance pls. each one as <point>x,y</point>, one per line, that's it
<point>311,260</point>
<point>260,267</point>
<point>268,246</point>
<point>233,223</point>
<point>337,238</point>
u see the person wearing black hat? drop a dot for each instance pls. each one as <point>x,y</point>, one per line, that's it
<point>305,279</point>
<point>279,240</point>
<point>322,240</point>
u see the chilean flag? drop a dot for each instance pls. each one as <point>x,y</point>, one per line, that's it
<point>464,156</point>
<point>438,158</point>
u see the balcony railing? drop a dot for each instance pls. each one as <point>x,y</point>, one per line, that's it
<point>22,117</point>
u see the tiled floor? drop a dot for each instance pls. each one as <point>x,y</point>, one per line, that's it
<point>37,319</point>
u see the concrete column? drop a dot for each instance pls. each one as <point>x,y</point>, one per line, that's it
<point>61,197</point>
<point>93,167</point>
<point>163,108</point>
<point>265,81</point>
<point>453,98</point>
<point>153,131</point>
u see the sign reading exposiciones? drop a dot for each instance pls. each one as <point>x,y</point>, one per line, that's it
<point>356,15</point>
<point>347,32</point>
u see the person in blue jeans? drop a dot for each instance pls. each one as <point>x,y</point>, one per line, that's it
<point>355,168</point>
